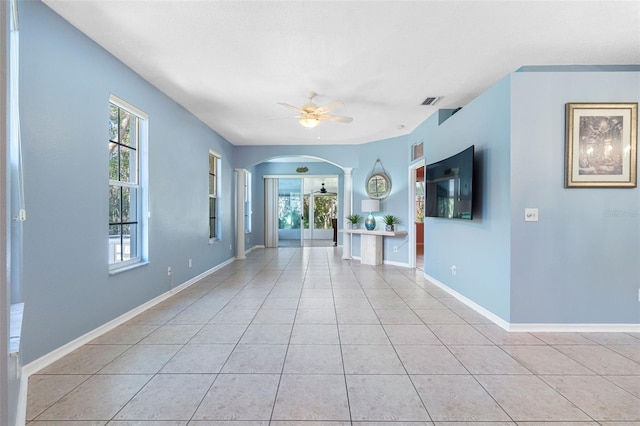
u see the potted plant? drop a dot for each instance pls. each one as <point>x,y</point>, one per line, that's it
<point>354,220</point>
<point>390,221</point>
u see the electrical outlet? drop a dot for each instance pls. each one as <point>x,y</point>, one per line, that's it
<point>395,249</point>
<point>190,263</point>
<point>169,271</point>
<point>230,247</point>
<point>453,269</point>
<point>530,215</point>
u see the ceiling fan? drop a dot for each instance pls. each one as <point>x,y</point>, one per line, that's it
<point>311,114</point>
<point>322,192</point>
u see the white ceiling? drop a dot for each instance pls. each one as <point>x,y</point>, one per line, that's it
<point>231,62</point>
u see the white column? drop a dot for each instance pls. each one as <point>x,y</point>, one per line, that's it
<point>240,214</point>
<point>346,208</point>
<point>271,212</point>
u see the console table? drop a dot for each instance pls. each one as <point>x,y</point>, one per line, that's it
<point>371,246</point>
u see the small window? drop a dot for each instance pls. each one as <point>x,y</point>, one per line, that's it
<point>417,150</point>
<point>247,202</point>
<point>214,196</point>
<point>127,132</point>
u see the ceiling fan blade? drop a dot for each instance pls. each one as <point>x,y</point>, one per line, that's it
<point>292,107</point>
<point>329,107</point>
<point>339,118</point>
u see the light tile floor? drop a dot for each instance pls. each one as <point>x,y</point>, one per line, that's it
<point>297,336</point>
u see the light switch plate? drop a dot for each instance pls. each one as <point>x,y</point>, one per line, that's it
<point>530,215</point>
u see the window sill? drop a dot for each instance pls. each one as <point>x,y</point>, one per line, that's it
<point>127,268</point>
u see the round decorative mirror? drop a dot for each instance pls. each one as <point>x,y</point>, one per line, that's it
<point>378,186</point>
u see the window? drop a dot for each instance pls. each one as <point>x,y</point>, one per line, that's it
<point>127,133</point>
<point>417,150</point>
<point>247,202</point>
<point>214,196</point>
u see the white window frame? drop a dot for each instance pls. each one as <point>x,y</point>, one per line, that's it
<point>248,213</point>
<point>141,186</point>
<point>217,235</point>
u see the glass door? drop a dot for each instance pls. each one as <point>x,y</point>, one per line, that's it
<point>320,206</point>
<point>290,212</point>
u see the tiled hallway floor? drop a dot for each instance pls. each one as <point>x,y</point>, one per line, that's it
<point>296,335</point>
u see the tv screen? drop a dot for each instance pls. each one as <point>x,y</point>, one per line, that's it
<point>449,187</point>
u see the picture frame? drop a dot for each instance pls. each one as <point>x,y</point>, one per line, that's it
<point>601,145</point>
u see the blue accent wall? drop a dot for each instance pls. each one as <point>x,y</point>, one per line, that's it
<point>479,248</point>
<point>66,80</point>
<point>580,262</point>
<point>393,154</point>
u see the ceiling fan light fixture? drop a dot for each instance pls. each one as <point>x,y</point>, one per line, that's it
<point>309,122</point>
<point>310,114</point>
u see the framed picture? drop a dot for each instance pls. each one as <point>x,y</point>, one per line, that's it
<point>601,145</point>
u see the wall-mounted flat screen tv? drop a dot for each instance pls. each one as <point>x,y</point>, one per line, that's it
<point>449,187</point>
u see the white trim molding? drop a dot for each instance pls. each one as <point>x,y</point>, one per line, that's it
<point>576,328</point>
<point>470,303</point>
<point>394,263</point>
<point>249,250</point>
<point>240,234</point>
<point>53,356</point>
<point>533,327</point>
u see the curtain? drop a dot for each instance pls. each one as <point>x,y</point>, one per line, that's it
<point>270,212</point>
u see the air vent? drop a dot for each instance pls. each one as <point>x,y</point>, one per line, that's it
<point>432,100</point>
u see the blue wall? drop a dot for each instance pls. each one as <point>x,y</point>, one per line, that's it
<point>478,248</point>
<point>551,271</point>
<point>66,80</point>
<point>394,156</point>
<point>580,262</point>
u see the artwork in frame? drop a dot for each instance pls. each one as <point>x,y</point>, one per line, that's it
<point>601,145</point>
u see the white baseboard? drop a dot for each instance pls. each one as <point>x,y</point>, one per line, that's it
<point>533,327</point>
<point>384,262</point>
<point>253,248</point>
<point>201,276</point>
<point>470,303</point>
<point>53,356</point>
<point>391,262</point>
<point>246,252</point>
<point>576,328</point>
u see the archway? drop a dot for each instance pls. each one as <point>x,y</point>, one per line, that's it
<point>288,166</point>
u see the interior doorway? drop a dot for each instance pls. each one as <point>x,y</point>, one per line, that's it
<point>419,216</point>
<point>416,214</point>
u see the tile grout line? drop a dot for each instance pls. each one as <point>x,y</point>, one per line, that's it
<point>344,372</point>
<point>284,361</point>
